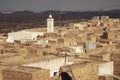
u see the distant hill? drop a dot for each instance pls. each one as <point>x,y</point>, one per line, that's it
<point>65,15</point>
<point>21,20</point>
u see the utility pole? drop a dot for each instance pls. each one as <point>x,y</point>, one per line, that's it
<point>65,58</point>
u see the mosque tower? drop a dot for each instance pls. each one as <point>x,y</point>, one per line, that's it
<point>50,24</point>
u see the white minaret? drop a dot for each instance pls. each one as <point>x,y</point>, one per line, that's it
<point>50,24</point>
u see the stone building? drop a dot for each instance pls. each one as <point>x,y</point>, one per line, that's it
<point>90,45</point>
<point>87,70</point>
<point>115,56</point>
<point>53,64</point>
<point>67,41</point>
<point>80,71</point>
<point>96,18</point>
<point>105,56</point>
<point>25,73</point>
<point>78,49</point>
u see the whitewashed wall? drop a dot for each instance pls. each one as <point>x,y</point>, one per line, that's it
<point>106,69</point>
<point>52,64</point>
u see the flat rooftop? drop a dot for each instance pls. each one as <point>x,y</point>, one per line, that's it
<point>101,54</point>
<point>23,69</point>
<point>33,60</point>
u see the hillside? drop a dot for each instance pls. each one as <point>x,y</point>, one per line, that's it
<point>65,15</point>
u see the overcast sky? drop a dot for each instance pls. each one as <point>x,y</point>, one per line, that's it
<point>68,5</point>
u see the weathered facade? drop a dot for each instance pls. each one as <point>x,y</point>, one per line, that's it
<point>25,73</point>
<point>81,71</point>
<point>52,64</point>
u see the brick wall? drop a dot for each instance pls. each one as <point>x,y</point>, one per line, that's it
<point>101,49</point>
<point>101,56</point>
<point>51,64</point>
<point>81,71</point>
<point>15,75</point>
<point>25,73</point>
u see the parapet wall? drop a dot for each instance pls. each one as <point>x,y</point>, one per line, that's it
<point>101,49</point>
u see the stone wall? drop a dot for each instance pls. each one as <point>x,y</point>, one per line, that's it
<point>51,64</point>
<point>101,49</point>
<point>1,68</point>
<point>105,78</point>
<point>100,56</point>
<point>15,75</point>
<point>25,73</point>
<point>116,58</point>
<point>81,71</point>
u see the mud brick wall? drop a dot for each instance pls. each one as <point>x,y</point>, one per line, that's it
<point>111,36</point>
<point>118,36</point>
<point>53,48</point>
<point>15,75</point>
<point>105,48</point>
<point>95,57</point>
<point>19,75</point>
<point>43,75</point>
<point>68,41</point>
<point>54,78</point>
<point>81,71</point>
<point>116,58</point>
<point>105,78</point>
<point>105,57</point>
<point>39,52</point>
<point>1,68</point>
<point>102,78</point>
<point>50,35</point>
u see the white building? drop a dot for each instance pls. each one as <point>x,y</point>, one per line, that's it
<point>50,24</point>
<point>91,45</point>
<point>78,49</point>
<point>104,17</point>
<point>96,18</point>
<point>80,25</point>
<point>105,68</point>
<point>23,36</point>
<point>53,64</point>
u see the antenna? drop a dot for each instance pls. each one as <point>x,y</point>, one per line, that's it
<point>65,58</point>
